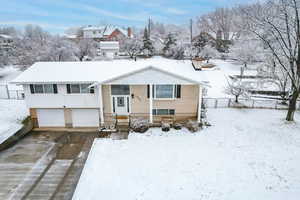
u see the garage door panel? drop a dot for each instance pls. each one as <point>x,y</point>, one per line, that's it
<point>85,117</point>
<point>51,117</point>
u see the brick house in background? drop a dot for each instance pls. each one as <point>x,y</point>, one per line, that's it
<point>107,33</point>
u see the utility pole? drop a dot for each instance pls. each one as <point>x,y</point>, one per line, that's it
<point>149,27</point>
<point>191,33</point>
<point>191,30</point>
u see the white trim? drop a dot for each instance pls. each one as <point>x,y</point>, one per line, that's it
<point>101,105</point>
<point>199,103</point>
<point>148,68</point>
<point>150,104</point>
<point>127,105</point>
<point>111,99</point>
<point>173,98</point>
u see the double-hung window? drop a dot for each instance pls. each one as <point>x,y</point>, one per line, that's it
<point>43,88</point>
<point>79,89</point>
<point>164,91</point>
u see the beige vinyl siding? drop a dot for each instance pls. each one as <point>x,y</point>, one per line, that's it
<point>107,107</point>
<point>140,102</point>
<point>187,104</point>
<point>106,99</point>
<point>185,107</point>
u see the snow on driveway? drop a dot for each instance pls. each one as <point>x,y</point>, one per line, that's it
<point>12,112</point>
<point>246,154</point>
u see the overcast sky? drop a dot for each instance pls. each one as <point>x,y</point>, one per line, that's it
<point>57,15</point>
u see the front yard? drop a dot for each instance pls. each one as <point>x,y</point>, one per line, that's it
<point>246,154</point>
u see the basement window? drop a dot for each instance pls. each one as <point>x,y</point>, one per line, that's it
<point>163,111</point>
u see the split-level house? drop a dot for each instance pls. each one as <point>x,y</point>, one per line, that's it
<point>91,94</point>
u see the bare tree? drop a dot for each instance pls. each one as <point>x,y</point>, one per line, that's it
<point>277,24</point>
<point>271,72</point>
<point>237,87</point>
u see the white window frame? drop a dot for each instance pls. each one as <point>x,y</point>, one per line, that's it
<point>43,86</point>
<point>159,98</point>
<point>80,89</point>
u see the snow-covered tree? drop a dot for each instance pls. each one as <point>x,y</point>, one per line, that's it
<point>61,50</point>
<point>86,48</point>
<point>245,51</point>
<point>169,44</point>
<point>208,52</point>
<point>271,72</point>
<point>200,41</point>
<point>132,47</point>
<point>277,24</point>
<point>220,20</point>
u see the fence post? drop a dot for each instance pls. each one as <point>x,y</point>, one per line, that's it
<point>17,94</point>
<point>253,103</point>
<point>216,103</point>
<point>276,102</point>
<point>7,91</point>
<point>229,102</point>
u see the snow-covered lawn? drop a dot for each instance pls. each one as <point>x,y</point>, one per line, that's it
<point>9,73</point>
<point>246,154</point>
<point>218,76</point>
<point>12,112</point>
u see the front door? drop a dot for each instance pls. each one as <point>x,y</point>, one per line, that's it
<point>120,104</point>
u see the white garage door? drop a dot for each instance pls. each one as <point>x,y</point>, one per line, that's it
<point>85,117</point>
<point>51,117</point>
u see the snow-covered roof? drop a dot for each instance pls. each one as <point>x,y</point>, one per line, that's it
<point>103,71</point>
<point>93,28</point>
<point>74,36</point>
<point>109,45</point>
<point>106,30</point>
<point>5,36</point>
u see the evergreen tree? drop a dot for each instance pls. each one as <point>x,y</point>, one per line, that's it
<point>169,45</point>
<point>147,44</point>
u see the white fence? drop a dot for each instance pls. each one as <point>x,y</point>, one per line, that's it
<point>6,93</point>
<point>245,103</point>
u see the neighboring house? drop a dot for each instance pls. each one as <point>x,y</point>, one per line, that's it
<point>6,41</point>
<point>109,49</point>
<point>106,33</point>
<point>91,94</point>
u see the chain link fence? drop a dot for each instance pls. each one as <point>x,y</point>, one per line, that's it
<point>246,103</point>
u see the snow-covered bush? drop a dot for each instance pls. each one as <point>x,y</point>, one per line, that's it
<point>165,126</point>
<point>192,125</point>
<point>177,126</point>
<point>139,124</point>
